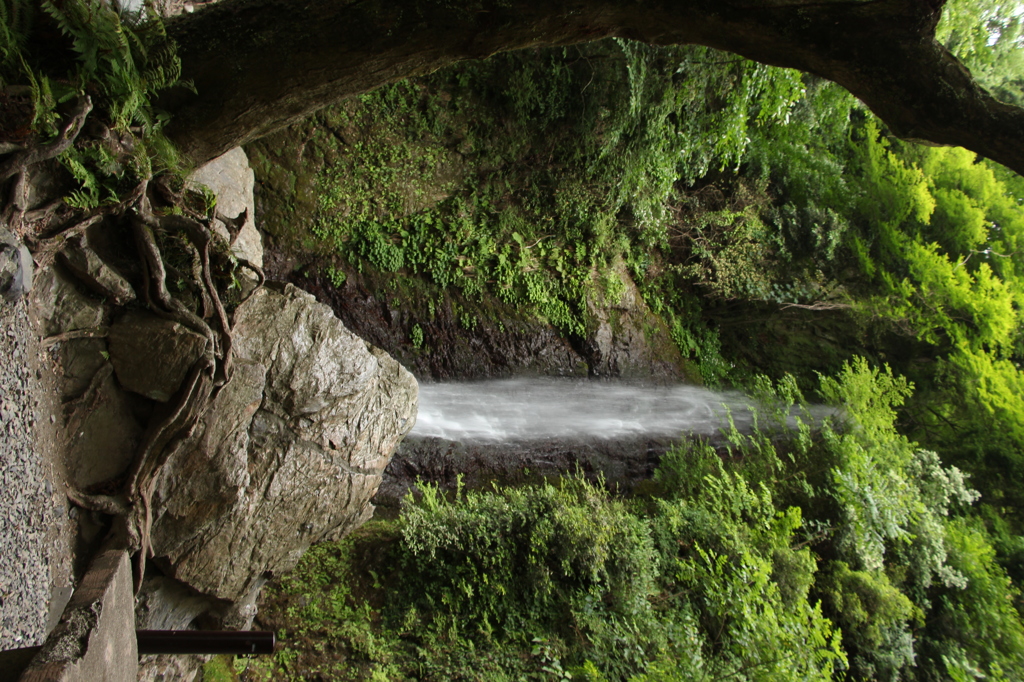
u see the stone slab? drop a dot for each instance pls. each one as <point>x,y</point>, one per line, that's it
<point>95,638</point>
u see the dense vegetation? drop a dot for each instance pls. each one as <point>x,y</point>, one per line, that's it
<point>116,61</point>
<point>800,552</point>
<point>778,231</point>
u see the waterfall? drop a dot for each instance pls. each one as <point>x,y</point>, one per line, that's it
<point>519,431</point>
<point>522,410</point>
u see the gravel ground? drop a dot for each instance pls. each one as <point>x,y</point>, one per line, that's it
<point>35,546</point>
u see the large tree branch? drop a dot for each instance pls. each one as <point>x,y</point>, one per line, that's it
<point>259,65</point>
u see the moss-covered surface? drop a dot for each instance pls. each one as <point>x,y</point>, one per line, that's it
<point>461,250</point>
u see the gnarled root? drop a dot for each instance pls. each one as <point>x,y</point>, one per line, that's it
<point>178,419</point>
<point>132,505</point>
<point>17,165</point>
<point>30,157</point>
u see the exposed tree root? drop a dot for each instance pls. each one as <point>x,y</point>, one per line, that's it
<point>30,157</point>
<point>191,402</point>
<point>45,250</point>
<point>90,333</point>
<point>207,375</point>
<point>17,165</point>
<point>107,504</point>
<point>257,270</point>
<point>174,422</point>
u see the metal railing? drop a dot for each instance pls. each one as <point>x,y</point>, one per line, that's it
<point>244,642</point>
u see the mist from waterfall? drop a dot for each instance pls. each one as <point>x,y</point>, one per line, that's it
<point>510,410</point>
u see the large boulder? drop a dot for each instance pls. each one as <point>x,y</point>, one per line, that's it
<point>289,454</point>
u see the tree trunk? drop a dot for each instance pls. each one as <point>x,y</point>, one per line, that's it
<point>260,65</point>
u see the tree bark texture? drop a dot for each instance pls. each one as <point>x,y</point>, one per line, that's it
<point>259,65</point>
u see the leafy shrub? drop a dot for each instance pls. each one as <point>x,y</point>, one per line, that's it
<point>525,559</point>
<point>805,549</point>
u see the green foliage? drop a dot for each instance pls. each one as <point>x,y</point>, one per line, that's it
<point>17,18</point>
<point>129,58</point>
<point>575,182</point>
<point>121,61</point>
<point>988,36</point>
<point>934,288</point>
<point>976,631</point>
<point>219,669</point>
<point>529,560</point>
<point>739,588</point>
<point>323,627</point>
<point>891,493</point>
<point>940,247</point>
<point>975,417</point>
<point>874,617</point>
<point>416,336</point>
<point>872,502</point>
<point>731,193</point>
<point>796,551</point>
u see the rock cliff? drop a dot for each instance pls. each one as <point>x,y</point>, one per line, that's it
<point>289,452</point>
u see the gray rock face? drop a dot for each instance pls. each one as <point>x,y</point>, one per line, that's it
<point>16,267</point>
<point>624,338</point>
<point>58,306</point>
<point>104,433</point>
<point>231,179</point>
<point>289,454</point>
<point>621,464</point>
<point>151,355</point>
<point>628,341</point>
<point>79,257</point>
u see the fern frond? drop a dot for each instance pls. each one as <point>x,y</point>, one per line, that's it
<point>138,45</point>
<point>122,58</point>
<point>88,195</point>
<point>8,40</point>
<point>16,20</point>
<point>82,199</point>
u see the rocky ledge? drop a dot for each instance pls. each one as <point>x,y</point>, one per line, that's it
<point>621,464</point>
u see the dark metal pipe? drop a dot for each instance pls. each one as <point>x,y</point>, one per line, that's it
<point>205,642</point>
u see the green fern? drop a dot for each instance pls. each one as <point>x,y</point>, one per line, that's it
<point>88,195</point>
<point>122,59</point>
<point>16,19</point>
<point>130,58</point>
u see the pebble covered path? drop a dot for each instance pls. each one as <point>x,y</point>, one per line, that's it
<point>33,558</point>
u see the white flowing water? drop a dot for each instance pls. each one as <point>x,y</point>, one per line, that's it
<point>543,408</point>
